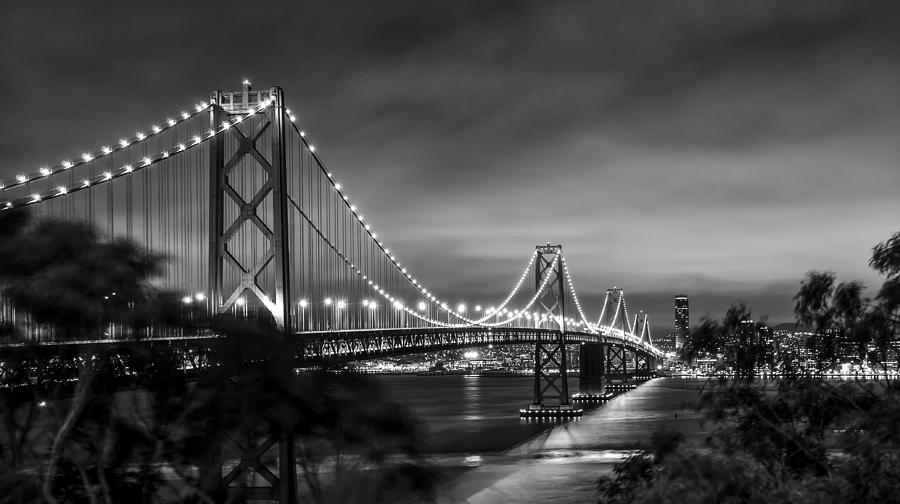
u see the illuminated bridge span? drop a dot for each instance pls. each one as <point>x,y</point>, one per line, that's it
<point>234,193</point>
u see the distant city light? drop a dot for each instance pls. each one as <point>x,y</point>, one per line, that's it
<point>422,306</point>
<point>187,299</point>
<point>471,354</point>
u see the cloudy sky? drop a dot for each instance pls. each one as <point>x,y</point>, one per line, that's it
<point>718,149</point>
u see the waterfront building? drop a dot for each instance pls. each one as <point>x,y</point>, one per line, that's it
<point>665,342</point>
<point>794,346</point>
<point>682,321</point>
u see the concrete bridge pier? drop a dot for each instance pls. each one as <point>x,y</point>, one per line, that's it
<point>593,371</point>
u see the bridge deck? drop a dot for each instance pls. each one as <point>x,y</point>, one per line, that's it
<point>338,344</point>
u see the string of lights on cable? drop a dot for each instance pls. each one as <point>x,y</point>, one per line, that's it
<point>442,304</point>
<point>396,302</point>
<point>106,150</point>
<point>126,169</point>
<point>575,296</point>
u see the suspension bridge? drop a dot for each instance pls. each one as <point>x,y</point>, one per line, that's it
<point>234,194</point>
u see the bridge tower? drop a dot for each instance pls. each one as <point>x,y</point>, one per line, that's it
<point>616,319</point>
<point>260,208</point>
<point>252,208</point>
<point>641,358</point>
<point>550,364</point>
<point>643,328</point>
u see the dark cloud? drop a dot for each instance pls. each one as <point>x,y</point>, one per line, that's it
<point>717,148</point>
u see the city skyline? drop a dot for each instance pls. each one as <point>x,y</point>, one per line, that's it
<point>684,162</point>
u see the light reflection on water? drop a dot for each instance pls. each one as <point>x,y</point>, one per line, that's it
<point>472,461</point>
<point>468,413</point>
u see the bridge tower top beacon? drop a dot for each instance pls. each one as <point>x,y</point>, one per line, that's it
<point>253,148</point>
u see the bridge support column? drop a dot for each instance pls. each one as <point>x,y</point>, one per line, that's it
<point>616,367</point>
<point>551,387</point>
<point>591,376</point>
<point>641,367</point>
<point>251,478</point>
<point>258,215</point>
<point>593,368</point>
<point>262,274</point>
<point>638,366</point>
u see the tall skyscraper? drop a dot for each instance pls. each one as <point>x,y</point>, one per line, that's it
<point>682,321</point>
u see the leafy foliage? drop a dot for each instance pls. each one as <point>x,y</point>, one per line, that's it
<point>886,257</point>
<point>732,339</point>
<point>63,274</point>
<point>803,440</point>
<point>162,437</point>
<point>799,439</point>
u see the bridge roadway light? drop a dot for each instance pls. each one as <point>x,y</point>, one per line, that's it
<point>200,296</point>
<point>341,304</point>
<point>303,303</point>
<point>240,302</point>
<point>328,301</point>
<point>187,299</point>
<point>422,306</point>
<point>365,302</point>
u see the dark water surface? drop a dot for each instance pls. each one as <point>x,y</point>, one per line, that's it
<point>468,414</point>
<point>473,422</point>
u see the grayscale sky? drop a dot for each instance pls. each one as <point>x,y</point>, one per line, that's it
<point>715,148</point>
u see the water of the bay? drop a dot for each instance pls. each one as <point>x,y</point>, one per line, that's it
<point>467,414</point>
<point>473,422</point>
